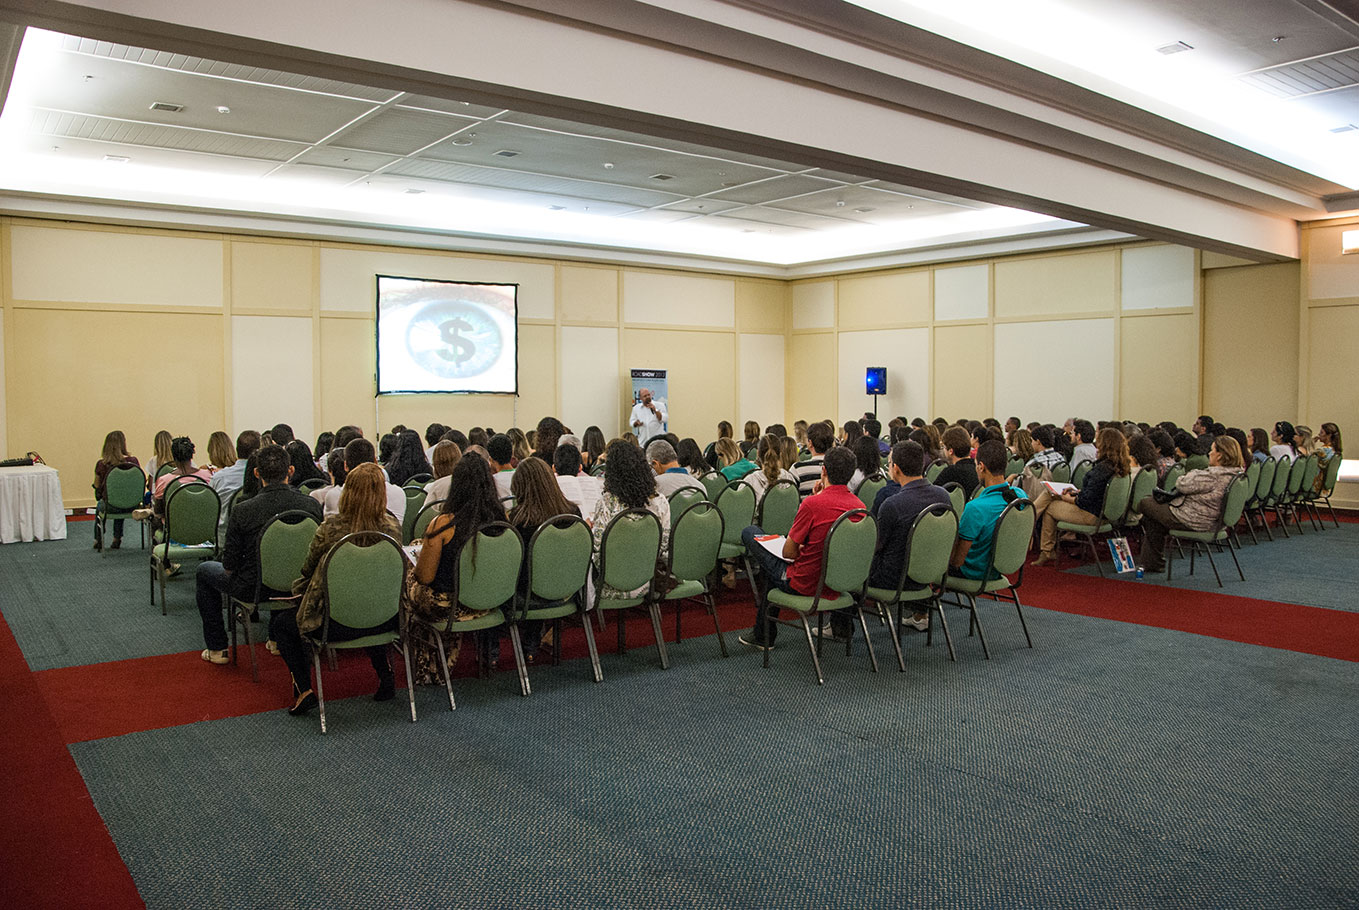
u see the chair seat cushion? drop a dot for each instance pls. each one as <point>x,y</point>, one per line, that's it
<point>889,595</point>
<point>488,620</point>
<point>368,641</point>
<point>685,589</point>
<point>1200,536</point>
<point>549,611</point>
<point>620,603</point>
<point>973,586</point>
<point>168,552</point>
<point>803,603</point>
<point>731,551</point>
<point>1084,529</point>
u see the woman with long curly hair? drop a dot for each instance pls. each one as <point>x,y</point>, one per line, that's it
<point>629,483</point>
<point>1084,506</point>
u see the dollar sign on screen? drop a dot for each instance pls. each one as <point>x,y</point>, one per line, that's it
<point>462,348</point>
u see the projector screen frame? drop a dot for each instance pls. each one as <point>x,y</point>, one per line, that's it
<point>378,391</point>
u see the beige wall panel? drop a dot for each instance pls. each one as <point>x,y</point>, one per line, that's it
<point>589,295</point>
<point>678,299</point>
<point>82,266</point>
<point>1221,261</point>
<point>1080,283</point>
<point>905,353</point>
<point>4,437</point>
<point>814,305</point>
<point>1049,371</point>
<point>66,418</point>
<point>761,306</point>
<point>877,299</point>
<point>1157,277</point>
<point>702,367</point>
<point>592,388</point>
<point>811,378</point>
<point>762,395</point>
<point>537,375</point>
<point>1158,376</point>
<point>1333,393</point>
<point>271,276</point>
<point>960,388</point>
<point>348,283</point>
<point>271,374</point>
<point>1250,344</point>
<point>347,374</point>
<point>962,293</point>
<point>461,411</point>
<point>1331,273</point>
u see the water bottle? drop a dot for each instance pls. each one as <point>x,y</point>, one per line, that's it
<point>1139,573</point>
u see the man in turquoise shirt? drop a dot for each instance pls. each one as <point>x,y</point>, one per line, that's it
<point>977,527</point>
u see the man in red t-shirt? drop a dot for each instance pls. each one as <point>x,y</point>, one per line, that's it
<point>800,569</point>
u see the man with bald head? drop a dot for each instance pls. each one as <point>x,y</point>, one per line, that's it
<point>648,416</point>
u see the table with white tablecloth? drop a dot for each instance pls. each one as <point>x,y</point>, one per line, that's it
<point>30,504</point>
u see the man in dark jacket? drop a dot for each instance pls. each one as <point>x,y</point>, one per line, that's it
<point>239,570</point>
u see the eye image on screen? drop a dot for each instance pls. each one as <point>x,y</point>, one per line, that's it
<point>446,336</point>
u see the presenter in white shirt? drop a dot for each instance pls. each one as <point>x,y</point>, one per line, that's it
<point>648,416</point>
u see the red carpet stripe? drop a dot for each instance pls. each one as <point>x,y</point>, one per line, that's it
<point>1290,627</point>
<point>69,858</point>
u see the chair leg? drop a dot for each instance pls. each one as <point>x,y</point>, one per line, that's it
<point>1208,549</point>
<point>655,610</point>
<point>896,634</point>
<point>868,642</point>
<point>231,620</point>
<point>443,668</point>
<point>519,664</point>
<point>1090,539</point>
<point>1238,564</point>
<point>1334,517</point>
<point>1250,526</point>
<point>943,621</point>
<point>410,680</point>
<point>811,646</point>
<point>769,629</point>
<point>717,626</point>
<point>320,690</point>
<point>590,643</point>
<point>981,632</point>
<point>162,573</point>
<point>1280,522</point>
<point>1022,624</point>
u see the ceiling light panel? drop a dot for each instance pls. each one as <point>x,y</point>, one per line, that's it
<point>122,90</point>
<point>86,150</point>
<point>767,216</point>
<point>702,206</point>
<point>338,156</point>
<point>88,47</point>
<point>841,203</point>
<point>155,135</point>
<point>401,132</point>
<point>777,188</point>
<point>451,172</point>
<point>1304,77</point>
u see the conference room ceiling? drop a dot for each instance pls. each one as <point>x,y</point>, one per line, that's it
<point>134,124</point>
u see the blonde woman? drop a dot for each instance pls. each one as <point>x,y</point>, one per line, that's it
<point>221,452</point>
<point>444,459</point>
<point>769,453</point>
<point>161,454</point>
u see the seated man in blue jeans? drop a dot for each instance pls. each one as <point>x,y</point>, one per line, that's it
<point>830,499</point>
<point>977,526</point>
<point>239,569</point>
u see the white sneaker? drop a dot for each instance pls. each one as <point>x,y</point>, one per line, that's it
<point>910,622</point>
<point>827,633</point>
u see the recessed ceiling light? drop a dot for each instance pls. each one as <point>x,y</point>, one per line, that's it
<point>223,109</point>
<point>117,159</point>
<point>662,176</point>
<point>731,183</point>
<point>1177,47</point>
<point>864,210</point>
<point>839,203</point>
<point>556,208</point>
<point>411,191</point>
<point>167,106</point>
<point>1347,128</point>
<point>506,153</point>
<point>608,165</point>
<point>462,140</point>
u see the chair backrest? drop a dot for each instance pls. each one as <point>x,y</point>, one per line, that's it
<point>848,553</point>
<point>1282,468</point>
<point>1142,485</point>
<point>779,507</point>
<point>363,574</point>
<point>313,483</point>
<point>1116,496</point>
<point>1061,472</point>
<point>713,483</point>
<point>283,547</point>
<point>420,479</point>
<point>1079,471</point>
<point>682,500</point>
<point>1252,475</point>
<point>415,501</point>
<point>929,545</point>
<point>124,487</point>
<point>1172,477</point>
<point>956,496</point>
<point>869,489</point>
<point>1332,474</point>
<point>695,542</point>
<point>628,550</point>
<point>1264,483</point>
<point>423,519</point>
<point>559,555</point>
<point>934,470</point>
<point>1014,533</point>
<point>191,513</point>
<point>488,567</point>
<point>737,503</point>
<point>164,469</point>
<point>1234,503</point>
<point>1309,475</point>
<point>1295,473</point>
<point>1014,466</point>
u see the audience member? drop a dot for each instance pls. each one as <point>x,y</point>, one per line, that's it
<point>114,454</point>
<point>962,469</point>
<point>577,486</point>
<point>896,513</point>
<point>229,480</point>
<point>1197,506</point>
<point>981,515</point>
<point>1083,436</point>
<point>769,454</point>
<point>221,454</point>
<point>628,484</point>
<point>360,451</point>
<point>550,430</point>
<point>820,440</point>
<point>1282,437</point>
<point>733,461</point>
<point>670,476</point>
<point>446,458</point>
<point>304,465</point>
<point>501,452</point>
<point>282,434</point>
<point>1085,505</point>
<point>181,450</point>
<point>161,455</point>
<point>1259,444</point>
